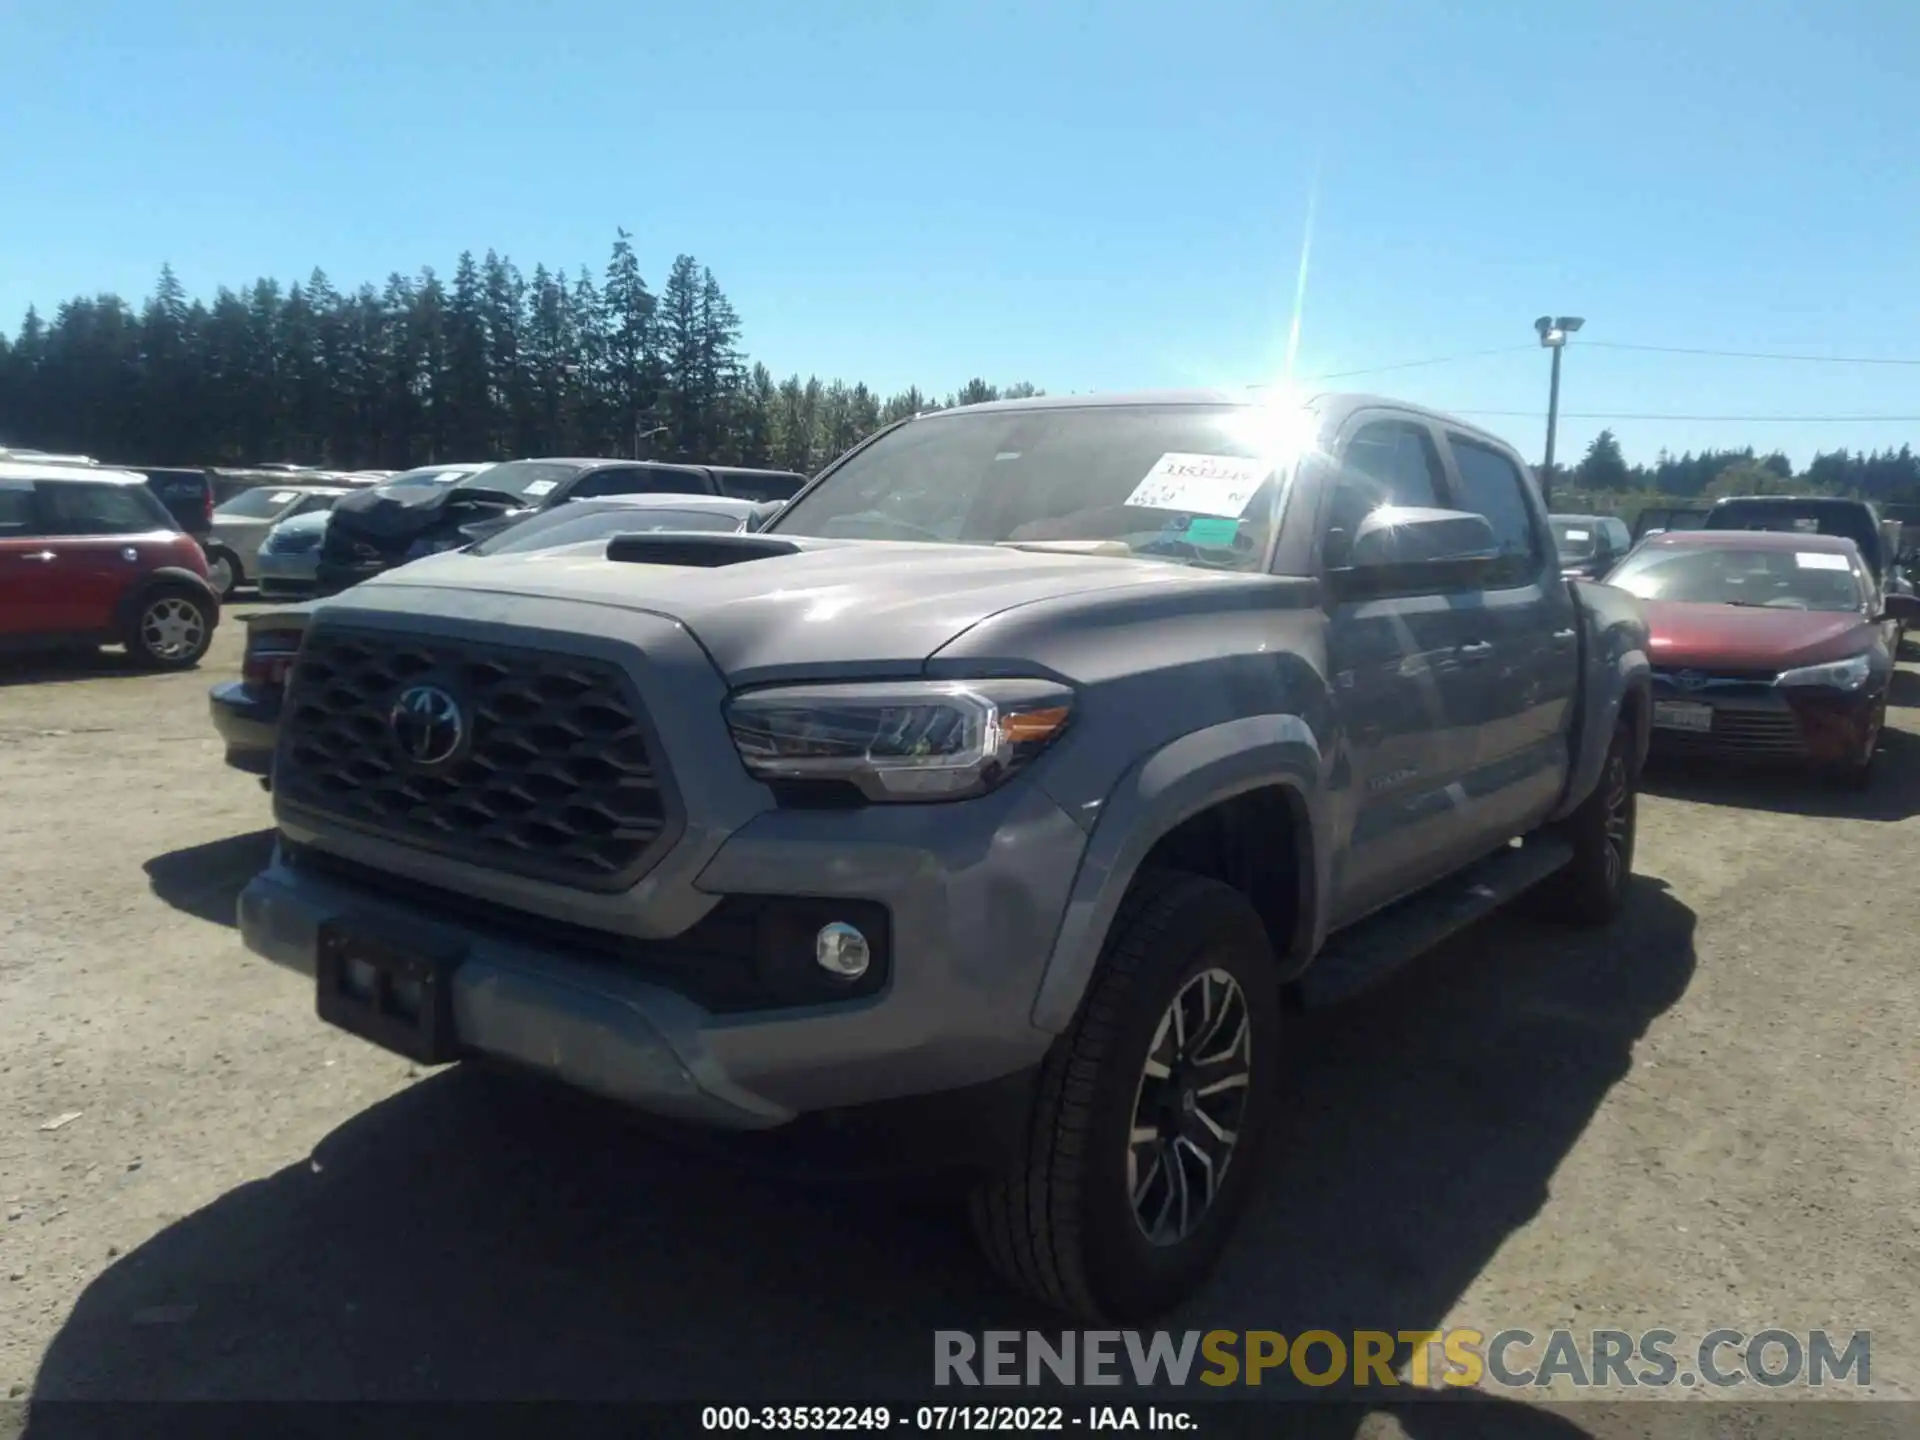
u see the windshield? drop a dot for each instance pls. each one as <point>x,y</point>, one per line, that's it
<point>261,503</point>
<point>1720,575</point>
<point>559,527</point>
<point>1194,484</point>
<point>1574,539</point>
<point>522,479</point>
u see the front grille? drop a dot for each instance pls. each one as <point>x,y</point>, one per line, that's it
<point>553,776</point>
<point>1757,733</point>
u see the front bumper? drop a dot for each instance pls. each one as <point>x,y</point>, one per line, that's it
<point>248,721</point>
<point>1764,723</point>
<point>974,902</point>
<point>287,577</point>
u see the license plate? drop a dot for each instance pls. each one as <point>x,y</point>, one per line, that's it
<point>1682,715</point>
<point>399,995</point>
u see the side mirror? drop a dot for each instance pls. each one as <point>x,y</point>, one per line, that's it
<point>1402,549</point>
<point>762,514</point>
<point>1904,608</point>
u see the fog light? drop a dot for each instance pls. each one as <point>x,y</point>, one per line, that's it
<point>842,950</point>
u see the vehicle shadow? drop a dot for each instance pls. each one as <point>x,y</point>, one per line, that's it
<point>478,1238</point>
<point>206,880</point>
<point>1903,689</point>
<point>59,666</point>
<point>1893,795</point>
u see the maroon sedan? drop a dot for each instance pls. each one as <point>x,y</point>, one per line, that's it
<point>1766,646</point>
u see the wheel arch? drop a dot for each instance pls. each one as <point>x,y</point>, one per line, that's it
<point>166,577</point>
<point>1201,802</point>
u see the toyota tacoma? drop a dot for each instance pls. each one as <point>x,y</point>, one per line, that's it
<point>1016,780</point>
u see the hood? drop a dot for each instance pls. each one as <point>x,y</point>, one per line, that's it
<point>837,606</point>
<point>390,518</point>
<point>1734,637</point>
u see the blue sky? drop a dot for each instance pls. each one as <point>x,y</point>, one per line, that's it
<point>1090,194</point>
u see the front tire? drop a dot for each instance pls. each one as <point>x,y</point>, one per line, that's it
<point>171,630</point>
<point>1145,1135</point>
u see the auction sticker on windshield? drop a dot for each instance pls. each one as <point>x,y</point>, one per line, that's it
<point>1819,560</point>
<point>541,487</point>
<point>1200,484</point>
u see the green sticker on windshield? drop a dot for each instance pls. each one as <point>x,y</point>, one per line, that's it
<point>1211,530</point>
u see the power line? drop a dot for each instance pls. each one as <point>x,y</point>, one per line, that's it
<point>1418,364</point>
<point>1748,354</point>
<point>1729,419</point>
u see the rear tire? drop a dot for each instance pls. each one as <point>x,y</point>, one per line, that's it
<point>171,629</point>
<point>1592,888</point>
<point>1155,1098</point>
<point>224,572</point>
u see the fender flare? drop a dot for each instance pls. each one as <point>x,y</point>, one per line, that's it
<point>1174,783</point>
<point>1608,689</point>
<point>137,594</point>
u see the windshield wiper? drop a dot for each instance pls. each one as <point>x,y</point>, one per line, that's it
<point>491,497</point>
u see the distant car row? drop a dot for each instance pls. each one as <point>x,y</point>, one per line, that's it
<point>93,555</point>
<point>1775,624</point>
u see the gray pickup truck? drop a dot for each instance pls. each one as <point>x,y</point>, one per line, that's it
<point>1002,795</point>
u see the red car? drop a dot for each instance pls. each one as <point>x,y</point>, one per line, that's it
<point>1766,646</point>
<point>90,557</point>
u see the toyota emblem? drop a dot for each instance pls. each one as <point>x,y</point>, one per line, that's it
<point>1690,680</point>
<point>427,724</point>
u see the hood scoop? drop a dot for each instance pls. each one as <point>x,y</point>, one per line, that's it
<point>706,552</point>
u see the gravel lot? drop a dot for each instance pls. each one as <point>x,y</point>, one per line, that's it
<point>1709,1116</point>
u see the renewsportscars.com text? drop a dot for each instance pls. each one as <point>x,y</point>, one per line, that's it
<point>1500,1359</point>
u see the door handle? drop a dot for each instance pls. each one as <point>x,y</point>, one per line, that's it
<point>1562,638</point>
<point>1479,650</point>
<point>41,555</point>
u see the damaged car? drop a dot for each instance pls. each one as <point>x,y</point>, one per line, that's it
<point>381,528</point>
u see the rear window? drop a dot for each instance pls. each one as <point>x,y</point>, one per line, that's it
<point>70,508</point>
<point>1575,539</point>
<point>261,503</point>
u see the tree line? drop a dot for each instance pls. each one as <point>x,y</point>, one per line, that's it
<point>494,364</point>
<point>1888,476</point>
<point>498,364</point>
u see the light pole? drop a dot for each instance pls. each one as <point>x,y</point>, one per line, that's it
<point>1553,331</point>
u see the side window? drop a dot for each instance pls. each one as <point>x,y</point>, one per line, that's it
<point>1387,462</point>
<point>1622,540</point>
<point>1492,486</point>
<point>311,504</point>
<point>16,509</point>
<point>68,508</point>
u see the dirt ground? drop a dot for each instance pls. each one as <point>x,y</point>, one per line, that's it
<point>1707,1117</point>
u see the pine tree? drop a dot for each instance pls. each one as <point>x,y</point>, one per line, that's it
<point>632,374</point>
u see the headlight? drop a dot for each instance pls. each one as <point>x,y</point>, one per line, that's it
<point>899,740</point>
<point>1848,674</point>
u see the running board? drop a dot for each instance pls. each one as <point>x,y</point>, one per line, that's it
<point>1359,956</point>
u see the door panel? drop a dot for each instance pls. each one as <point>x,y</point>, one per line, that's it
<point>1522,701</point>
<point>1397,676</point>
<point>95,533</point>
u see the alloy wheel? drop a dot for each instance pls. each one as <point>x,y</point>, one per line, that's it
<point>1189,1107</point>
<point>1619,820</point>
<point>172,629</point>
